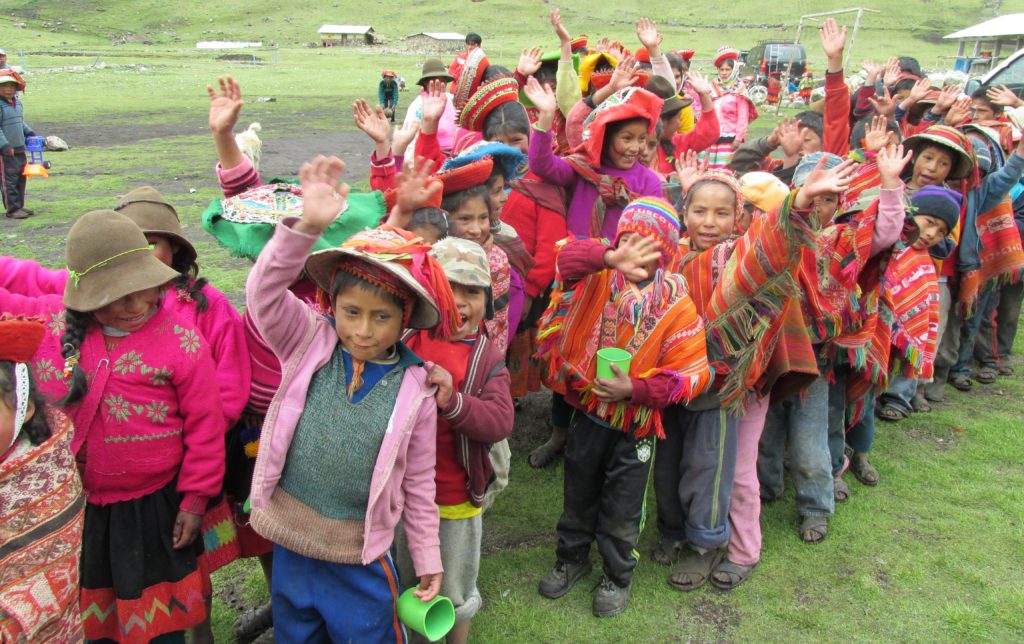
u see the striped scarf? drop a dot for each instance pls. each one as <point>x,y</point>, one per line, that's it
<point>1002,257</point>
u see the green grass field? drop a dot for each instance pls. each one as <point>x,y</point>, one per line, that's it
<point>932,554</point>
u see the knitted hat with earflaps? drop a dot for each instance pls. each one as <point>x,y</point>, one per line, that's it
<point>654,218</point>
<point>485,99</point>
<point>154,215</point>
<point>107,258</point>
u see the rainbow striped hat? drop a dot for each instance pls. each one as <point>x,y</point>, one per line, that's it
<point>654,218</point>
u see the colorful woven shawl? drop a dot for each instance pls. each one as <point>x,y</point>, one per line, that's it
<point>598,312</point>
<point>611,191</point>
<point>1002,257</point>
<point>41,518</point>
<point>501,280</point>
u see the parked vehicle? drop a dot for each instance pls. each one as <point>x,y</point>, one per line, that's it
<point>773,56</point>
<point>1010,73</point>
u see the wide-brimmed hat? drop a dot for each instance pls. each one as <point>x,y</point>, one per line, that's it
<point>154,215</point>
<point>371,251</point>
<point>11,76</point>
<point>470,77</point>
<point>508,159</point>
<point>467,176</point>
<point>950,138</point>
<point>485,99</point>
<point>107,258</point>
<point>659,86</point>
<point>433,68</point>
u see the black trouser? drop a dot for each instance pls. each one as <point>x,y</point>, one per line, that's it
<point>12,181</point>
<point>693,476</point>
<point>606,475</point>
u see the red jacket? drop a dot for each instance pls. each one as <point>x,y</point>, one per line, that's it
<point>536,210</point>
<point>836,133</point>
<point>698,139</point>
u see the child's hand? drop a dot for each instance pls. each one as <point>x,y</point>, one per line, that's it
<point>833,39</point>
<point>891,162</point>
<point>186,529</point>
<point>322,198</point>
<point>372,121</point>
<point>892,72</point>
<point>946,98</point>
<point>560,30</point>
<point>440,378</point>
<point>403,136</point>
<point>224,106</point>
<point>698,82</point>
<point>611,390</point>
<point>822,181</point>
<point>790,138</point>
<point>647,32</point>
<point>876,134</point>
<point>689,170</point>
<point>543,99</point>
<point>873,70</point>
<point>529,61</point>
<point>918,92</point>
<point>624,75</point>
<point>884,104</point>
<point>960,112</point>
<point>433,106</point>
<point>632,256</point>
<point>412,190</point>
<point>430,586</point>
<point>1004,96</point>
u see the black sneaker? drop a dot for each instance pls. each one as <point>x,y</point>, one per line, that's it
<point>611,599</point>
<point>562,578</point>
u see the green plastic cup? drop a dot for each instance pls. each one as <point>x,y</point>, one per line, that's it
<point>432,619</point>
<point>612,356</point>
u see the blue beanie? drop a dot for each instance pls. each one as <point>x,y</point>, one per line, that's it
<point>807,164</point>
<point>939,202</point>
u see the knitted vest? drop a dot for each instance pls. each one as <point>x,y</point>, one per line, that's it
<point>332,454</point>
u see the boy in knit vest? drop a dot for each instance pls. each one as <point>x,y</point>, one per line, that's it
<point>474,411</point>
<point>13,131</point>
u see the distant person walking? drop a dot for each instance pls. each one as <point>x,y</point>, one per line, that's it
<point>13,131</point>
<point>473,41</point>
<point>387,93</point>
<point>3,60</point>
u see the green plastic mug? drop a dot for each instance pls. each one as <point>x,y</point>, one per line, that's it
<point>432,619</point>
<point>612,356</point>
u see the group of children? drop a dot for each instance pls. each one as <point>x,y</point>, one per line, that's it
<point>599,198</point>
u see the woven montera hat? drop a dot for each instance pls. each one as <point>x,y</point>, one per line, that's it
<point>107,258</point>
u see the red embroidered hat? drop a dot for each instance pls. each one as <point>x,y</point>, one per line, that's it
<point>467,176</point>
<point>485,99</point>
<point>391,197</point>
<point>643,55</point>
<point>20,338</point>
<point>725,53</point>
<point>469,78</point>
<point>578,43</point>
<point>685,54</point>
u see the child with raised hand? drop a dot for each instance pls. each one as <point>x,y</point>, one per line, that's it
<point>604,173</point>
<point>149,429</point>
<point>40,533</point>
<point>474,411</point>
<point>346,370</point>
<point>610,445</point>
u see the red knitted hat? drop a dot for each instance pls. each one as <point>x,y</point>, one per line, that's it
<point>391,197</point>
<point>685,54</point>
<point>485,99</point>
<point>643,55</point>
<point>20,338</point>
<point>578,43</point>
<point>467,176</point>
<point>469,78</point>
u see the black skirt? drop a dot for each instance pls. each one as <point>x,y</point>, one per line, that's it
<point>135,585</point>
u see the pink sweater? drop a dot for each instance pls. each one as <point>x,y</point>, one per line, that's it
<point>149,415</point>
<point>402,485</point>
<point>220,324</point>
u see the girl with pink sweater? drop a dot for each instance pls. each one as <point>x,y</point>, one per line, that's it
<point>149,432</point>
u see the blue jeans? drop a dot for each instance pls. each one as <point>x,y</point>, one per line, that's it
<point>802,421</point>
<point>320,601</point>
<point>862,435</point>
<point>899,394</point>
<point>969,333</point>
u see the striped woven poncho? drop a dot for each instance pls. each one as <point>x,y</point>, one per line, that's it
<point>1002,255</point>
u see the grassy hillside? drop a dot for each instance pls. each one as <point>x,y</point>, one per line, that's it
<point>506,25</point>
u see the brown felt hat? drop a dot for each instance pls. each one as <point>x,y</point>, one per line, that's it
<point>660,87</point>
<point>434,68</point>
<point>107,258</point>
<point>151,212</point>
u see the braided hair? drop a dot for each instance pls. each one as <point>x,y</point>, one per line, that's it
<point>76,325</point>
<point>188,280</point>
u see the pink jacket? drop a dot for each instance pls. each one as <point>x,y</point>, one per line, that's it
<point>402,486</point>
<point>148,416</point>
<point>220,324</point>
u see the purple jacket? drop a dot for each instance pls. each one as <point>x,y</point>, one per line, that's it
<point>402,486</point>
<point>552,169</point>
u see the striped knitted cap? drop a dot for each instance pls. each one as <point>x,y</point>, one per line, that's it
<point>654,218</point>
<point>485,99</point>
